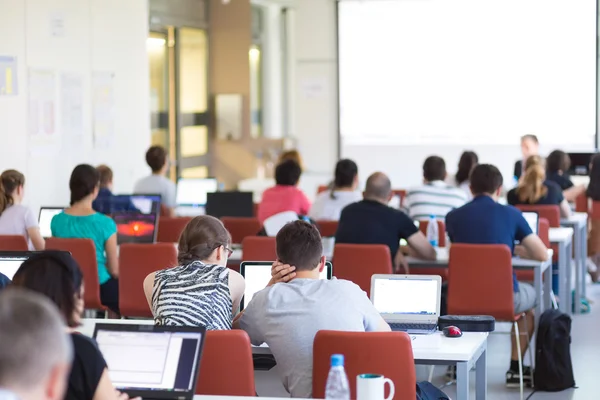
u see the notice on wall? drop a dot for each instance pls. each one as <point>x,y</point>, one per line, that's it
<point>9,85</point>
<point>103,109</point>
<point>71,108</point>
<point>42,110</point>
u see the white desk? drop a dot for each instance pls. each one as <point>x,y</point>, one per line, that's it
<point>206,397</point>
<point>578,221</point>
<point>89,324</point>
<point>563,237</point>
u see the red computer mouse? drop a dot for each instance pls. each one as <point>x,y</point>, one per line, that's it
<point>452,331</point>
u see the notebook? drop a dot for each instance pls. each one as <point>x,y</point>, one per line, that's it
<point>45,219</point>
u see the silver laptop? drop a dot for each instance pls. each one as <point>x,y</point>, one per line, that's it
<point>10,261</point>
<point>533,219</point>
<point>45,218</point>
<point>408,303</point>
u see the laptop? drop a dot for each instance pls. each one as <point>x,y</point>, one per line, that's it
<point>193,192</point>
<point>135,227</point>
<point>257,275</point>
<point>45,219</point>
<point>408,303</point>
<point>152,362</point>
<point>144,203</point>
<point>10,261</point>
<point>230,204</point>
<point>533,219</point>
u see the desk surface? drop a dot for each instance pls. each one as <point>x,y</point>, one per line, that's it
<point>560,235</point>
<point>443,256</point>
<point>575,219</point>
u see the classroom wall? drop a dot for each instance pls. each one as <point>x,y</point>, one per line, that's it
<point>96,35</point>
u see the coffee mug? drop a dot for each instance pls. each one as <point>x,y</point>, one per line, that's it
<point>371,387</point>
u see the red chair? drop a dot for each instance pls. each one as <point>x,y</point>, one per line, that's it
<point>401,193</point>
<point>386,353</point>
<point>226,366</point>
<point>327,228</point>
<point>544,234</point>
<point>581,203</point>
<point>255,209</point>
<point>239,227</point>
<point>169,229</point>
<point>165,211</point>
<point>136,262</point>
<point>358,262</point>
<point>259,248</point>
<point>443,272</point>
<point>84,252</point>
<point>13,243</point>
<point>322,188</point>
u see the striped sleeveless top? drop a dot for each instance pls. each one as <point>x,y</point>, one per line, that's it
<point>195,294</point>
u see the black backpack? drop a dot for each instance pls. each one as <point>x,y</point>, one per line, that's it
<point>553,367</point>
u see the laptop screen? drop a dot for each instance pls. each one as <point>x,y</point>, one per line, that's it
<point>135,227</point>
<point>45,219</point>
<point>150,358</point>
<point>192,192</point>
<point>532,219</point>
<point>9,264</point>
<point>405,296</point>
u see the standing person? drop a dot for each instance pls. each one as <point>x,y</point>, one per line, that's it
<point>81,221</point>
<point>557,167</point>
<point>530,146</point>
<point>107,202</point>
<point>157,182</point>
<point>468,161</point>
<point>15,218</point>
<point>330,203</point>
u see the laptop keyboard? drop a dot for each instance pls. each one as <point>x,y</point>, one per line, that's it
<point>411,327</point>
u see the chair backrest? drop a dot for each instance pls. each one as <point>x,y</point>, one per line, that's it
<point>274,223</point>
<point>136,261</point>
<point>13,243</point>
<point>322,188</point>
<point>581,203</point>
<point>385,353</point>
<point>84,252</point>
<point>358,262</point>
<point>327,228</point>
<point>595,211</point>
<point>401,193</point>
<point>550,212</point>
<point>240,227</point>
<point>441,231</point>
<point>255,209</point>
<point>259,248</point>
<point>164,210</point>
<point>169,229</point>
<point>480,280</point>
<point>544,231</point>
<point>226,367</point>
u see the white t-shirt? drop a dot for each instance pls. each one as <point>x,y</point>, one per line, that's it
<point>157,184</point>
<point>434,198</point>
<point>16,219</point>
<point>465,186</point>
<point>326,208</point>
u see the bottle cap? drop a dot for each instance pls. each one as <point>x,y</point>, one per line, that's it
<point>337,360</point>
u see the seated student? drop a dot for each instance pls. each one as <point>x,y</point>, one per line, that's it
<point>533,188</point>
<point>435,197</point>
<point>285,195</point>
<point>35,354</point>
<point>330,203</point>
<point>81,221</point>
<point>107,202</point>
<point>468,161</point>
<point>557,165</point>
<point>372,221</point>
<point>593,194</point>
<point>158,183</point>
<point>529,147</point>
<point>15,218</point>
<point>57,276</point>
<point>287,316</point>
<point>484,221</point>
<point>293,155</point>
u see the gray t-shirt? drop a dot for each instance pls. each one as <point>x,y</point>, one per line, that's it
<point>16,219</point>
<point>157,184</point>
<point>287,316</point>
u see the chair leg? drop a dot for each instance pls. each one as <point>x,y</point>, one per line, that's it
<point>553,299</point>
<point>520,357</point>
<point>431,367</point>
<point>529,350</point>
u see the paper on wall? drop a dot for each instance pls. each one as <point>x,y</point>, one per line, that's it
<point>9,85</point>
<point>71,108</point>
<point>103,109</point>
<point>42,111</point>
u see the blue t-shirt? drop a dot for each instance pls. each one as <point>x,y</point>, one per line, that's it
<point>97,227</point>
<point>483,221</point>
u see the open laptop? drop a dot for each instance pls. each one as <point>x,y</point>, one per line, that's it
<point>45,219</point>
<point>230,204</point>
<point>257,275</point>
<point>153,362</point>
<point>134,227</point>
<point>193,192</point>
<point>533,219</point>
<point>409,303</point>
<point>10,261</point>
<point>144,203</point>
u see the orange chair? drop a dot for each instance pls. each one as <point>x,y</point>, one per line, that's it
<point>255,209</point>
<point>164,211</point>
<point>358,262</point>
<point>13,243</point>
<point>169,229</point>
<point>401,193</point>
<point>581,203</point>
<point>441,231</point>
<point>544,234</point>
<point>386,353</point>
<point>327,228</point>
<point>240,227</point>
<point>226,366</point>
<point>136,261</point>
<point>84,252</point>
<point>322,188</point>
<point>259,248</point>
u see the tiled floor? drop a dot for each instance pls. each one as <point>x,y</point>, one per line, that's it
<point>585,351</point>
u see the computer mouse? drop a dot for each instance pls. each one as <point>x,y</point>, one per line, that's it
<point>452,331</point>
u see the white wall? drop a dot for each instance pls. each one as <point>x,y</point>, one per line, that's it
<point>99,35</point>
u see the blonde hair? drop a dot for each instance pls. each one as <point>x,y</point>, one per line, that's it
<point>10,180</point>
<point>531,187</point>
<point>291,155</point>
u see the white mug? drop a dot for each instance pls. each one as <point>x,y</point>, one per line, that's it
<point>371,387</point>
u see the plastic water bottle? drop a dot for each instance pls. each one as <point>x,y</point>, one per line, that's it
<point>432,231</point>
<point>337,382</point>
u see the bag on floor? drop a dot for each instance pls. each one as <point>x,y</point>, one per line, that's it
<point>553,367</point>
<point>426,391</point>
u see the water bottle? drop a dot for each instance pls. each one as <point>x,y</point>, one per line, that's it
<point>432,231</point>
<point>337,382</point>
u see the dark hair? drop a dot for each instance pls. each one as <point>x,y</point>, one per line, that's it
<point>106,175</point>
<point>593,189</point>
<point>200,237</point>
<point>556,161</point>
<point>345,173</point>
<point>531,137</point>
<point>156,158</point>
<point>83,182</point>
<point>299,244</point>
<point>434,169</point>
<point>56,275</point>
<point>10,180</point>
<point>485,179</point>
<point>291,155</point>
<point>288,173</point>
<point>468,161</point>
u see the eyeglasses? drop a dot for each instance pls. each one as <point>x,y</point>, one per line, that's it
<point>229,251</point>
